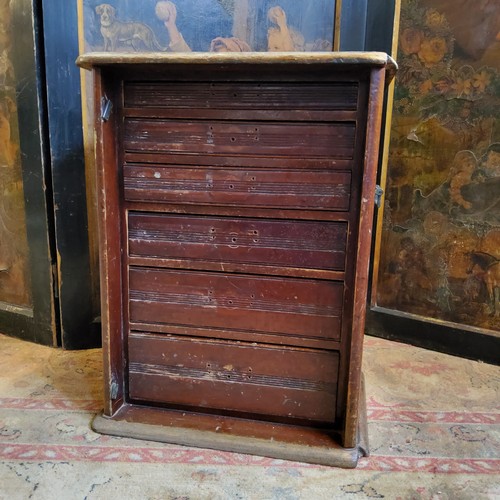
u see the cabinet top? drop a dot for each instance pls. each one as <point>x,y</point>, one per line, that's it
<point>374,59</point>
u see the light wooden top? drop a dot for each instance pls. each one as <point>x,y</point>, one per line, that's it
<point>98,59</point>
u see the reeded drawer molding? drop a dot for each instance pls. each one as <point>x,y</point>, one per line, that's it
<point>314,190</point>
<point>213,137</point>
<point>281,243</point>
<point>242,96</point>
<point>184,160</point>
<point>259,304</point>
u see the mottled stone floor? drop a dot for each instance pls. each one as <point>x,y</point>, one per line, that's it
<point>434,426</point>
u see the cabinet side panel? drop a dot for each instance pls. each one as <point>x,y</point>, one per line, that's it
<point>109,246</point>
<point>375,105</point>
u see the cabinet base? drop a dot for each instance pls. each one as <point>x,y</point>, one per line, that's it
<point>281,441</point>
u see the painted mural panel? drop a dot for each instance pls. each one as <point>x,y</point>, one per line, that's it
<point>208,25</point>
<point>440,247</point>
<point>14,275</point>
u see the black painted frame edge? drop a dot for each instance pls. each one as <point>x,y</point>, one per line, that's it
<point>66,150</point>
<point>444,338</point>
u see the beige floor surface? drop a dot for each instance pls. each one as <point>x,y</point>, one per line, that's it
<point>434,426</point>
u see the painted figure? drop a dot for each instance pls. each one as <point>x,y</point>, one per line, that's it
<point>166,11</point>
<point>491,161</point>
<point>464,166</point>
<point>6,68</point>
<point>117,34</point>
<point>232,44</point>
<point>282,38</point>
<point>489,272</point>
<point>8,149</point>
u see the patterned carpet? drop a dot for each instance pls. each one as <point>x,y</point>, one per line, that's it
<point>434,426</point>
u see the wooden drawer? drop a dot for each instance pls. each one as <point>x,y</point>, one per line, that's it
<point>295,244</point>
<point>241,96</point>
<point>195,301</point>
<point>303,189</point>
<point>272,101</point>
<point>233,376</point>
<point>233,137</point>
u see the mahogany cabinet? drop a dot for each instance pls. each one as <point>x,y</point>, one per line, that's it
<point>236,198</point>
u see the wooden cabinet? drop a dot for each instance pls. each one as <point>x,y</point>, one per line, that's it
<point>236,195</point>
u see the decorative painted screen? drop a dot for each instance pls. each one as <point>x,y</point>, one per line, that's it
<point>440,244</point>
<point>14,264</point>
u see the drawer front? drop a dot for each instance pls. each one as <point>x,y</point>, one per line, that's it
<point>281,306</point>
<point>283,382</point>
<point>212,137</point>
<point>313,190</point>
<point>241,96</point>
<point>299,244</point>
